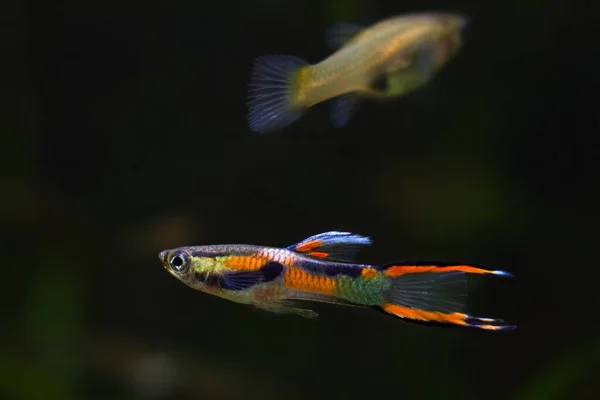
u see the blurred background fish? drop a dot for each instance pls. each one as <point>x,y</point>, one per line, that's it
<point>320,269</point>
<point>389,59</point>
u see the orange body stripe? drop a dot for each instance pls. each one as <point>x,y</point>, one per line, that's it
<point>422,315</point>
<point>368,273</point>
<point>299,279</point>
<point>308,246</point>
<point>398,270</point>
<point>245,263</point>
<point>319,254</point>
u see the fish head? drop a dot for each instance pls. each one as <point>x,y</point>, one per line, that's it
<point>457,22</point>
<point>423,44</point>
<point>191,267</point>
<point>452,32</point>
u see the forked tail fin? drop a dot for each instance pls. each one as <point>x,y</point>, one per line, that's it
<point>274,84</point>
<point>436,293</point>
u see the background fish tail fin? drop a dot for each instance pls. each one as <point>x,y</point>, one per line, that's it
<point>434,294</point>
<point>274,84</point>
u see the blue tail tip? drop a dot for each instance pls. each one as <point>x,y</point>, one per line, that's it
<point>505,328</point>
<point>504,273</point>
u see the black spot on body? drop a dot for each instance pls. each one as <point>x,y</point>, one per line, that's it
<point>271,271</point>
<point>380,84</point>
<point>246,279</point>
<point>333,271</point>
<point>330,269</point>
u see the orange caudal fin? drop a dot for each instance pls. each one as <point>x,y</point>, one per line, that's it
<point>455,318</point>
<point>436,293</point>
<point>438,268</point>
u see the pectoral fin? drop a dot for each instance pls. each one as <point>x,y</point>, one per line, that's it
<point>286,307</point>
<point>341,109</point>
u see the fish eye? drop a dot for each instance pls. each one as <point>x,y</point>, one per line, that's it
<point>179,262</point>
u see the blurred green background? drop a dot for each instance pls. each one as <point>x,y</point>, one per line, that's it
<point>124,133</point>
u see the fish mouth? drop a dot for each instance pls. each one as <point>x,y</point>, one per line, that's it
<point>461,24</point>
<point>162,256</point>
<point>463,27</point>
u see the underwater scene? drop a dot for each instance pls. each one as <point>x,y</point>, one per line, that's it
<point>317,199</point>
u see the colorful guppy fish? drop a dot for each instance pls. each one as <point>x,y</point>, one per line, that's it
<point>320,268</point>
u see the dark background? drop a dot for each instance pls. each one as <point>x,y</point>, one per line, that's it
<point>124,133</point>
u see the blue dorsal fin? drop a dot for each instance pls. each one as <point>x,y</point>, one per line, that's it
<point>340,246</point>
<point>339,34</point>
<point>341,109</point>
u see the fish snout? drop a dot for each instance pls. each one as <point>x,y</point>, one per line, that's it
<point>162,256</point>
<point>462,26</point>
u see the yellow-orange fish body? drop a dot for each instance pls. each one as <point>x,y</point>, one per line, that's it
<point>388,59</point>
<point>391,47</point>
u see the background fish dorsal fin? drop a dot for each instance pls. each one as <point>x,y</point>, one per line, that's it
<point>340,246</point>
<point>341,33</point>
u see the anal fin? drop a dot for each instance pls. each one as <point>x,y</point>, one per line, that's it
<point>341,109</point>
<point>321,298</point>
<point>286,307</point>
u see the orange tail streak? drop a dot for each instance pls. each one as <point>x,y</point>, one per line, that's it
<point>398,270</point>
<point>436,293</point>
